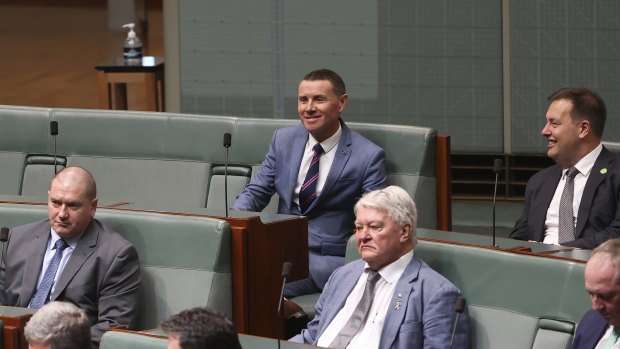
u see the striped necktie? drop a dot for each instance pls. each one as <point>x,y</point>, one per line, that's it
<point>307,193</point>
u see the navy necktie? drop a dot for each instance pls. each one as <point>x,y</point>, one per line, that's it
<point>43,293</point>
<point>307,193</point>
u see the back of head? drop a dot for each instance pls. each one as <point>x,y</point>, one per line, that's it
<point>202,327</point>
<point>587,104</point>
<point>611,249</point>
<point>329,75</point>
<point>61,325</point>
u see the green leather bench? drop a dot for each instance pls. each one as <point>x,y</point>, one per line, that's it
<point>515,301</point>
<point>178,159</point>
<point>149,340</point>
<point>195,270</point>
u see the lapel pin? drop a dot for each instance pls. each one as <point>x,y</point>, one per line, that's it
<point>398,301</point>
<point>344,152</point>
<point>603,170</point>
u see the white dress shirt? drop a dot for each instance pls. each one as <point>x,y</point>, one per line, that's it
<point>553,212</point>
<point>370,334</point>
<point>604,339</point>
<point>325,162</point>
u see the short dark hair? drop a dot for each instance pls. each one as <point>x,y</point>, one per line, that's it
<point>326,74</point>
<point>587,104</point>
<point>202,327</point>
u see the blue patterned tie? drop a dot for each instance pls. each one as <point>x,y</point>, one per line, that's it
<point>42,295</point>
<point>307,193</point>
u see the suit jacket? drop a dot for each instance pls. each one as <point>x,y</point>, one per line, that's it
<point>102,276</point>
<point>425,321</point>
<point>598,218</point>
<point>591,329</point>
<point>358,167</point>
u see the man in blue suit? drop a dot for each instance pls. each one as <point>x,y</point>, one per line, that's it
<point>599,327</point>
<point>412,306</point>
<point>347,166</point>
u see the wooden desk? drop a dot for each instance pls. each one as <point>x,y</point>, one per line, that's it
<point>115,74</point>
<point>14,320</point>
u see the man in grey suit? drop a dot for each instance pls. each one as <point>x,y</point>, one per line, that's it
<point>389,298</point>
<point>347,166</point>
<point>72,257</point>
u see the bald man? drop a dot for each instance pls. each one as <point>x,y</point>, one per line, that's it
<point>72,257</point>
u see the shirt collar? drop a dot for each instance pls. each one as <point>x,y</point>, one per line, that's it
<point>328,144</point>
<point>392,272</point>
<point>587,162</point>
<point>55,237</point>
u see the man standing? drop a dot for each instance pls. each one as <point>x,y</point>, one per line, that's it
<point>200,328</point>
<point>319,169</point>
<point>58,325</point>
<point>389,298</point>
<point>72,257</point>
<point>575,202</point>
<point>600,326</point>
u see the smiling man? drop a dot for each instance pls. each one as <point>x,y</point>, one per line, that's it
<point>389,298</point>
<point>319,169</point>
<point>575,202</point>
<point>72,257</point>
<point>600,326</point>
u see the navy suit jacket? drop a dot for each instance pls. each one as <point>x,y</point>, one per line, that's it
<point>598,219</point>
<point>102,276</point>
<point>424,320</point>
<point>358,167</point>
<point>591,329</point>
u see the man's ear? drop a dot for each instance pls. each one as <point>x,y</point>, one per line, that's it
<point>405,233</point>
<point>584,128</point>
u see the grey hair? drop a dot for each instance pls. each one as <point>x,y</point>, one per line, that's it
<point>61,325</point>
<point>612,249</point>
<point>397,202</point>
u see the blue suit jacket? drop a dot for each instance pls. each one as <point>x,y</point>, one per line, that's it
<point>592,327</point>
<point>598,219</point>
<point>425,320</point>
<point>358,167</point>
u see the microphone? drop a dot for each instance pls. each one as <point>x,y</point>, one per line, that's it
<point>459,306</point>
<point>54,133</point>
<point>4,237</point>
<point>497,168</point>
<point>227,142</point>
<point>286,271</point>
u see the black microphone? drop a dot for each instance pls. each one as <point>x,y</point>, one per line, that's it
<point>497,168</point>
<point>286,271</point>
<point>227,142</point>
<point>459,306</point>
<point>4,237</point>
<point>54,133</point>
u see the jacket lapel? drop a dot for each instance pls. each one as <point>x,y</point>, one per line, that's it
<point>85,247</point>
<point>298,146</point>
<point>399,304</point>
<point>338,297</point>
<point>33,265</point>
<point>599,172</point>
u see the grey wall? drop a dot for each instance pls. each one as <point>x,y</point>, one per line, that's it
<point>436,63</point>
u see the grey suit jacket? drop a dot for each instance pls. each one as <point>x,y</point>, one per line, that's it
<point>358,167</point>
<point>102,276</point>
<point>424,320</point>
<point>598,219</point>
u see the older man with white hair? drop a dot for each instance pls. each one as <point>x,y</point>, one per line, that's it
<point>389,298</point>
